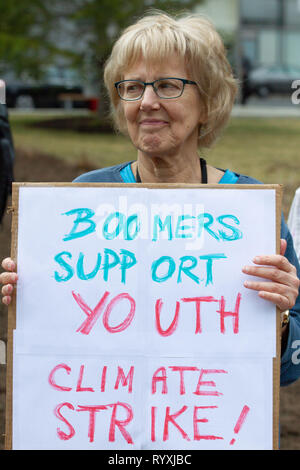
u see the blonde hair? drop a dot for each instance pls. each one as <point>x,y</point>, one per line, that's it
<point>191,37</point>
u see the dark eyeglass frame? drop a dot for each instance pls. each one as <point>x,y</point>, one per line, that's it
<point>183,80</point>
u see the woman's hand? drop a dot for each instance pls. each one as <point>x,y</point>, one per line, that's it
<point>283,289</point>
<point>8,279</point>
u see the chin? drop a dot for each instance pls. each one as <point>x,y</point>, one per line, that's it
<point>150,145</point>
<point>155,145</point>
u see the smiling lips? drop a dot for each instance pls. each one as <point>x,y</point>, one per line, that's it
<point>153,122</point>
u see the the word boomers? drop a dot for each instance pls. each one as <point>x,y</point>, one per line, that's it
<point>186,226</point>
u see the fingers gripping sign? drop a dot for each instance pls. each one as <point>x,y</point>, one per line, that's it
<point>279,284</point>
<point>8,280</point>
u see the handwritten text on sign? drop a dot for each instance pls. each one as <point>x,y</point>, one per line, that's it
<point>149,338</point>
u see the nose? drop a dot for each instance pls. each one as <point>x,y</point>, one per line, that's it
<point>149,100</point>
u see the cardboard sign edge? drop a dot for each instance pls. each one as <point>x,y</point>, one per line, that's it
<point>12,308</point>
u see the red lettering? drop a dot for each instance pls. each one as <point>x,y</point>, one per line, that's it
<point>198,301</point>
<point>51,378</point>
<point>153,413</point>
<point>162,379</point>
<point>181,370</point>
<point>121,377</point>
<point>120,423</point>
<point>196,420</point>
<point>92,410</point>
<point>208,383</point>
<point>171,419</point>
<point>128,319</point>
<point>79,382</point>
<point>62,435</point>
<point>234,315</point>
<point>92,315</point>
<point>198,328</point>
<point>240,422</point>
<point>169,331</point>
<point>103,378</point>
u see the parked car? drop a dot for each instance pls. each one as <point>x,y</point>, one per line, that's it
<point>46,93</point>
<point>37,96</point>
<point>273,79</point>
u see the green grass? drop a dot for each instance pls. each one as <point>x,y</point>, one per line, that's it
<point>98,150</point>
<point>264,148</point>
<point>267,149</point>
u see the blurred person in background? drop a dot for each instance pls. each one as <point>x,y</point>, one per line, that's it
<point>246,90</point>
<point>6,159</point>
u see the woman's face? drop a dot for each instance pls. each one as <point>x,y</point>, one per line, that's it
<point>163,127</point>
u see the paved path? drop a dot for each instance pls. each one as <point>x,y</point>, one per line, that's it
<point>266,111</point>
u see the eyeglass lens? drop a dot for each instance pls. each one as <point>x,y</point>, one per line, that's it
<point>164,88</point>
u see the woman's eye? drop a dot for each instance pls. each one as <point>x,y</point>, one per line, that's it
<point>167,85</point>
<point>133,88</point>
<point>170,86</point>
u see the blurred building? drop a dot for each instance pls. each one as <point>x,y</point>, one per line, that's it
<point>263,42</point>
<point>267,32</point>
<point>270,31</point>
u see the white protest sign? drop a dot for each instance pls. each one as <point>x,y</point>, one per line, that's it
<point>133,327</point>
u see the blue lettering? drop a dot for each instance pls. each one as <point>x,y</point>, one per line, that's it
<point>236,233</point>
<point>157,263</point>
<point>206,224</point>
<point>182,228</point>
<point>162,225</point>
<point>187,269</point>
<point>210,258</point>
<point>120,225</point>
<point>128,260</point>
<point>84,216</point>
<point>107,265</point>
<point>59,258</point>
<point>80,270</point>
<point>132,219</point>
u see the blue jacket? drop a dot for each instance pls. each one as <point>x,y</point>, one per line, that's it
<point>290,362</point>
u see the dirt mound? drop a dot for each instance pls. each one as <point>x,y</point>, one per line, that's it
<point>84,124</point>
<point>36,167</point>
<point>42,168</point>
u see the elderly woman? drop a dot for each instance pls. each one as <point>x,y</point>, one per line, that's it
<point>172,91</point>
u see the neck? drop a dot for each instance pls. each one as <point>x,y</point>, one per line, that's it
<point>168,170</point>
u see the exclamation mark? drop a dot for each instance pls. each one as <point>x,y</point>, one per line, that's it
<point>240,422</point>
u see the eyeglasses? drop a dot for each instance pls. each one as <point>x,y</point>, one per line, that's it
<point>166,88</point>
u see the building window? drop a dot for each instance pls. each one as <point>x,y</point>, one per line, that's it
<point>291,51</point>
<point>269,47</point>
<point>292,12</point>
<point>258,12</point>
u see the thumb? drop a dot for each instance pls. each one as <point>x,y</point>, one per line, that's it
<point>283,244</point>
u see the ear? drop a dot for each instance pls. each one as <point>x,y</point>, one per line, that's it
<point>201,129</point>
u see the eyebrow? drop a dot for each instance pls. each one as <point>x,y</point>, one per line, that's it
<point>159,78</point>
